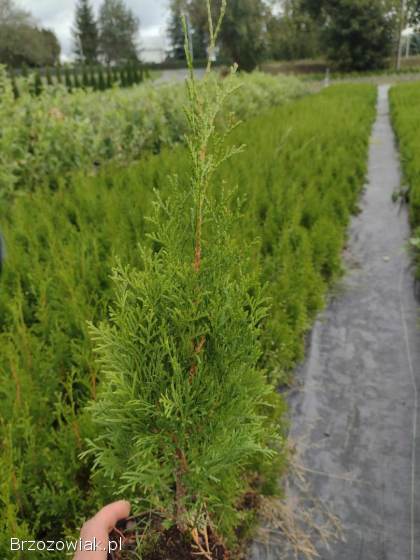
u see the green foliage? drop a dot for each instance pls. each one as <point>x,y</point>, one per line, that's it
<point>101,80</point>
<point>68,80</point>
<point>242,35</point>
<point>123,78</point>
<point>37,85</point>
<point>138,72</point>
<point>175,30</point>
<point>48,77</point>
<point>58,74</point>
<point>294,34</point>
<point>76,80</point>
<point>197,12</point>
<point>15,88</point>
<point>56,133</point>
<point>109,80</point>
<point>52,48</point>
<point>75,77</point>
<point>118,29</point>
<point>27,44</point>
<point>22,41</point>
<point>85,33</point>
<point>413,13</point>
<point>302,229</point>
<point>299,179</point>
<point>93,79</point>
<point>85,78</point>
<point>8,165</point>
<point>359,34</point>
<point>405,104</point>
<point>97,77</point>
<point>183,394</point>
<point>356,35</point>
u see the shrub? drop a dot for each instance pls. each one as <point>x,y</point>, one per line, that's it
<point>179,418</point>
<point>58,133</point>
<point>405,103</point>
<point>359,34</point>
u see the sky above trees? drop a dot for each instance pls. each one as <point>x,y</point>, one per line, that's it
<point>59,16</point>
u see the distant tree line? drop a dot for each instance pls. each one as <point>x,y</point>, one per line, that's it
<point>352,34</point>
<point>22,41</point>
<point>243,35</point>
<point>111,38</point>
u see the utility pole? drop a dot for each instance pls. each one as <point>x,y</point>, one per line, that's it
<point>400,32</point>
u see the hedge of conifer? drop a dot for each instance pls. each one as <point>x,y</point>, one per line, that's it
<point>96,78</point>
<point>298,182</point>
<point>405,105</point>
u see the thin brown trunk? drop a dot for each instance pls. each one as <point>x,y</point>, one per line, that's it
<point>180,491</point>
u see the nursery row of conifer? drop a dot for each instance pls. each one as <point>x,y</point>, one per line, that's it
<point>405,108</point>
<point>46,137</point>
<point>96,78</point>
<point>298,182</point>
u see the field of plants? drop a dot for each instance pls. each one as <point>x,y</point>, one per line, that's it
<point>405,104</point>
<point>45,138</point>
<point>180,354</point>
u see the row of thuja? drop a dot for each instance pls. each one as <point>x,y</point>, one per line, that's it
<point>96,78</point>
<point>405,105</point>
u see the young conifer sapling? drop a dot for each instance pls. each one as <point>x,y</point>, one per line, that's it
<point>179,416</point>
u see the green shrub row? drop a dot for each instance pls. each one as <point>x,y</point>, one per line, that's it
<point>96,78</point>
<point>44,138</point>
<point>405,110</point>
<point>298,181</point>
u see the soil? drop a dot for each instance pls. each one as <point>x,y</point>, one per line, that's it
<point>170,544</point>
<point>173,545</point>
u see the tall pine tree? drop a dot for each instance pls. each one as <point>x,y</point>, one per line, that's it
<point>85,33</point>
<point>175,30</point>
<point>243,34</point>
<point>119,27</point>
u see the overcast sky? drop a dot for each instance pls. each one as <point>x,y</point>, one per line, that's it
<point>58,15</point>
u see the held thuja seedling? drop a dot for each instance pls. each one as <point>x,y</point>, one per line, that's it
<point>300,179</point>
<point>180,414</point>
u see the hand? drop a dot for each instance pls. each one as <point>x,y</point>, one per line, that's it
<point>98,528</point>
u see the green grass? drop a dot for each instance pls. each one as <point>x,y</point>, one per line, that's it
<point>298,181</point>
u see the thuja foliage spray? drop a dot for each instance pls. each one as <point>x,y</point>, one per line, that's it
<point>180,416</point>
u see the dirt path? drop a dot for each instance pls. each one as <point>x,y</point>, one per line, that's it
<point>355,414</point>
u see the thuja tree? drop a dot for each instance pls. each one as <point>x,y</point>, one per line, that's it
<point>183,409</point>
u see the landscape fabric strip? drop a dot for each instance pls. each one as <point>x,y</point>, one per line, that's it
<point>298,180</point>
